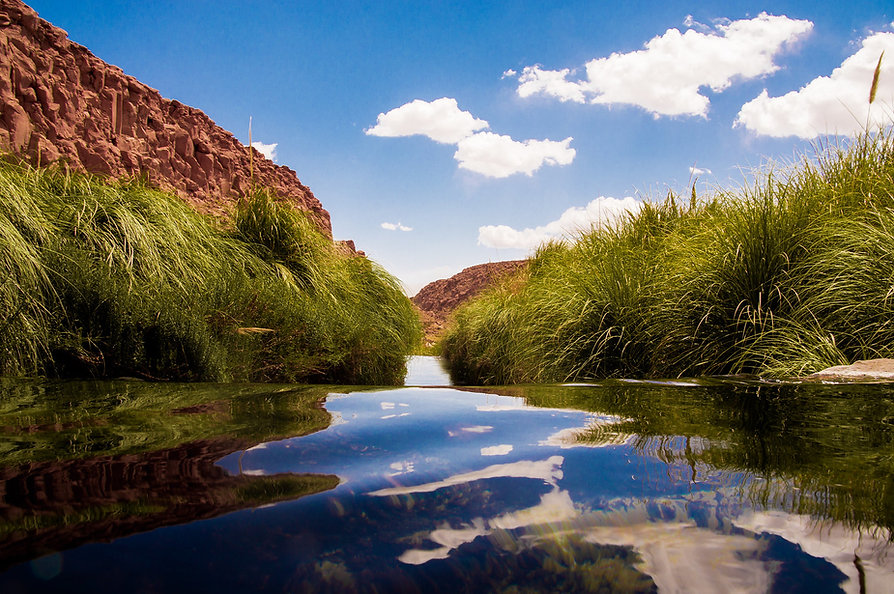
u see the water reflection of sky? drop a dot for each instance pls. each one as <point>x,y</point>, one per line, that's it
<point>426,433</point>
<point>692,531</point>
<point>436,481</point>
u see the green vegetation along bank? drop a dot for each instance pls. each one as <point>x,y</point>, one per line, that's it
<point>787,276</point>
<point>109,279</point>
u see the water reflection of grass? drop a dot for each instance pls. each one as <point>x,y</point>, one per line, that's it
<point>47,420</point>
<point>38,523</point>
<point>824,451</point>
<point>282,488</point>
<point>81,460</point>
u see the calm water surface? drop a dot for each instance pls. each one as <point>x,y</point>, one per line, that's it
<point>684,486</point>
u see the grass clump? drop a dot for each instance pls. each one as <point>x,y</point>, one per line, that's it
<point>106,279</point>
<point>788,276</point>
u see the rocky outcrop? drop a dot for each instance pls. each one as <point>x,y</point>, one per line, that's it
<point>59,102</point>
<point>866,370</point>
<point>437,300</point>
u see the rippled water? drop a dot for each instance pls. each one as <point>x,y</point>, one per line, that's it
<point>685,486</point>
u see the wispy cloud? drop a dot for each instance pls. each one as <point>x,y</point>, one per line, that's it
<point>834,104</point>
<point>396,227</point>
<point>699,171</point>
<point>690,23</point>
<point>486,153</point>
<point>600,212</point>
<point>666,76</point>
<point>268,150</point>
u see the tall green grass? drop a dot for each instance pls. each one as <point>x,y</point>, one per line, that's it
<point>110,279</point>
<point>786,276</point>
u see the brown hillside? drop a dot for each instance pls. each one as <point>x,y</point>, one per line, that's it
<point>437,300</point>
<point>60,102</point>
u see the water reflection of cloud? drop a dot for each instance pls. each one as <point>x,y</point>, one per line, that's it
<point>472,429</point>
<point>548,470</point>
<point>576,437</point>
<point>838,544</point>
<point>554,508</point>
<point>449,539</point>
<point>404,467</point>
<point>720,553</point>
<point>682,557</point>
<point>497,450</point>
<point>677,554</point>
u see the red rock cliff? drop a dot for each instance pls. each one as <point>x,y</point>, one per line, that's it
<point>59,101</point>
<point>438,299</point>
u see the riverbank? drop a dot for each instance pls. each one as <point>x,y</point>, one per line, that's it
<point>786,277</point>
<point>109,279</point>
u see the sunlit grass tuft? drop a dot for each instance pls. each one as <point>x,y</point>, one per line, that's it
<point>109,279</point>
<point>787,276</point>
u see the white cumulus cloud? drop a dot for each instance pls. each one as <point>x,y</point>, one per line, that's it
<point>497,155</point>
<point>396,227</point>
<point>834,104</point>
<point>268,150</point>
<point>487,153</point>
<point>601,212</point>
<point>534,80</point>
<point>698,171</point>
<point>441,120</point>
<point>666,76</point>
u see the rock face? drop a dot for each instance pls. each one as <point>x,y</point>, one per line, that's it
<point>60,102</point>
<point>437,300</point>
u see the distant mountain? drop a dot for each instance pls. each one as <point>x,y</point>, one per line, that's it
<point>438,299</point>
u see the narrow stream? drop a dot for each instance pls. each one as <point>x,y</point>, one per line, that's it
<point>631,486</point>
<point>426,371</point>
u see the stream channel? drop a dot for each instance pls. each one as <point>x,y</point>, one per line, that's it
<point>707,485</point>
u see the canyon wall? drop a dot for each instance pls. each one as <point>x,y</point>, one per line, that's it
<point>60,102</point>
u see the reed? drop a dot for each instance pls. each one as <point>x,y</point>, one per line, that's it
<point>783,277</point>
<point>110,279</point>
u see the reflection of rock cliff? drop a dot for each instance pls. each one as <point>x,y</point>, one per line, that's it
<point>60,102</point>
<point>438,299</point>
<point>53,506</point>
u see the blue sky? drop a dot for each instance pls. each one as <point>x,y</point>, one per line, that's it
<point>445,134</point>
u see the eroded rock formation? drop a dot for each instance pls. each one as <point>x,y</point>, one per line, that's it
<point>438,299</point>
<point>60,102</point>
